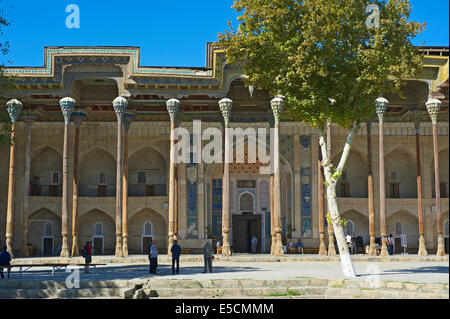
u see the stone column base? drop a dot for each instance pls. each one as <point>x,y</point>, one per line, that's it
<point>331,247</point>
<point>118,247</point>
<point>422,248</point>
<point>75,249</point>
<point>322,246</point>
<point>64,249</point>
<point>278,246</point>
<point>384,251</point>
<point>440,248</point>
<point>125,247</point>
<point>372,250</point>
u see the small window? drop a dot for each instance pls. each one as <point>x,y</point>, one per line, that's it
<point>55,178</point>
<point>102,178</point>
<point>398,228</point>
<point>98,229</point>
<point>344,189</point>
<point>141,177</point>
<point>148,229</point>
<point>48,230</point>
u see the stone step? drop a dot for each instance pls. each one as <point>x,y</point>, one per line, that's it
<point>50,284</point>
<point>297,282</point>
<point>291,292</point>
<point>60,293</point>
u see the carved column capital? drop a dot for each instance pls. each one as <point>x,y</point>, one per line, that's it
<point>67,105</point>
<point>433,106</point>
<point>225,106</point>
<point>120,104</point>
<point>173,106</point>
<point>277,105</point>
<point>381,105</point>
<point>14,107</point>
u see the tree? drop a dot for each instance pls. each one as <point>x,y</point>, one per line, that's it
<point>6,83</point>
<point>328,64</point>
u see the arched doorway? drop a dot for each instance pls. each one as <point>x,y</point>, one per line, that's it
<point>147,236</point>
<point>97,239</point>
<point>246,225</point>
<point>48,240</point>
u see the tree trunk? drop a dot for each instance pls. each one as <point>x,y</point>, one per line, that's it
<point>332,178</point>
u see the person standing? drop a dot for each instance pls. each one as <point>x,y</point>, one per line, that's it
<point>86,252</point>
<point>390,244</point>
<point>207,256</point>
<point>153,256</point>
<point>176,251</point>
<point>348,238</point>
<point>254,244</point>
<point>5,260</point>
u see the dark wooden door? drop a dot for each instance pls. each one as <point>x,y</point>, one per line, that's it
<point>48,246</point>
<point>149,190</point>
<point>146,245</point>
<point>98,246</point>
<point>398,249</point>
<point>53,190</point>
<point>446,245</point>
<point>244,226</point>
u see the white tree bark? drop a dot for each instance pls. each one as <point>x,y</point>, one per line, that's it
<point>332,177</point>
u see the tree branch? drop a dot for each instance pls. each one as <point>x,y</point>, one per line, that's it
<point>346,151</point>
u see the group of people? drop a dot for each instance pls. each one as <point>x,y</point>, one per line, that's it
<point>208,256</point>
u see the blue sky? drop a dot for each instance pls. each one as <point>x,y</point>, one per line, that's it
<point>170,33</point>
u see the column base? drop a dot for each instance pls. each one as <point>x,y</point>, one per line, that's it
<point>24,251</point>
<point>9,246</point>
<point>440,248</point>
<point>125,247</point>
<point>169,247</point>
<point>226,250</point>
<point>118,247</point>
<point>384,251</point>
<point>422,248</point>
<point>331,247</point>
<point>322,247</point>
<point>64,249</point>
<point>372,250</point>
<point>75,248</point>
<point>278,246</point>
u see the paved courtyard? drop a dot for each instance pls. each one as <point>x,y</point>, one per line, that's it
<point>408,271</point>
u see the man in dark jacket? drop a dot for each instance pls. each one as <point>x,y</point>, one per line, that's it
<point>207,256</point>
<point>5,260</point>
<point>176,251</point>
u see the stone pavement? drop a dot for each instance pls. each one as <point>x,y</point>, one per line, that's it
<point>403,271</point>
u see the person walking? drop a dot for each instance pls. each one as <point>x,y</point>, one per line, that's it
<point>153,257</point>
<point>207,256</point>
<point>254,244</point>
<point>5,261</point>
<point>176,252</point>
<point>390,244</point>
<point>86,252</point>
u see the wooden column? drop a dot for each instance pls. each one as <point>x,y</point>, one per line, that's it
<point>28,119</point>
<point>322,246</point>
<point>225,106</point>
<point>422,246</point>
<point>127,119</point>
<point>277,105</point>
<point>176,217</point>
<point>67,104</point>
<point>372,250</point>
<point>272,224</point>
<point>120,104</point>
<point>331,247</point>
<point>433,106</point>
<point>78,116</point>
<point>14,107</point>
<point>173,106</point>
<point>381,105</point>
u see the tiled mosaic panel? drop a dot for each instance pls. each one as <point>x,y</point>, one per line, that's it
<point>192,199</point>
<point>264,196</point>
<point>305,188</point>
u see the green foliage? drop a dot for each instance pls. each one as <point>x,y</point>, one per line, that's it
<point>313,50</point>
<point>342,221</point>
<point>6,84</point>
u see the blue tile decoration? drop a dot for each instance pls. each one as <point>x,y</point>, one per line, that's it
<point>305,187</point>
<point>192,199</point>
